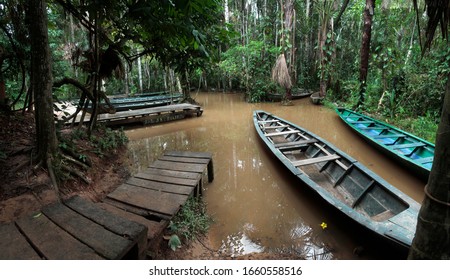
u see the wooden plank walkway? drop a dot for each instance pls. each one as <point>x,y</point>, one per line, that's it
<point>122,226</point>
<point>149,115</point>
<point>74,229</point>
<point>158,192</point>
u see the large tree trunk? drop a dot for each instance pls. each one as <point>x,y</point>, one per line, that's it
<point>42,81</point>
<point>432,239</point>
<point>365,49</point>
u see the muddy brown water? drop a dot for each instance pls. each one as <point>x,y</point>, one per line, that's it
<point>257,205</point>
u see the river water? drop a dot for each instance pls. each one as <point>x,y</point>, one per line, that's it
<point>256,204</point>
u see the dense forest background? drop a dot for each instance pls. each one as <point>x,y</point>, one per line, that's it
<point>233,46</point>
<point>368,55</point>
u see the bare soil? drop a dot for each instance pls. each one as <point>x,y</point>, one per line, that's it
<point>25,188</point>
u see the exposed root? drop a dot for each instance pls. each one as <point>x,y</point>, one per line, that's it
<point>77,173</point>
<point>53,177</point>
<point>76,162</point>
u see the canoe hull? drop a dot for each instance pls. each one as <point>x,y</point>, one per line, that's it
<point>296,95</point>
<point>340,180</point>
<point>412,152</point>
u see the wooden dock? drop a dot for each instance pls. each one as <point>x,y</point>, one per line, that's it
<point>73,230</point>
<point>158,192</point>
<point>122,226</point>
<point>149,115</point>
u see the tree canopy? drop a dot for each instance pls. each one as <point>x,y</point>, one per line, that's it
<point>358,53</point>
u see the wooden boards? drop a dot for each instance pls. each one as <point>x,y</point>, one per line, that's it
<point>121,226</point>
<point>161,189</point>
<point>71,230</point>
<point>154,195</point>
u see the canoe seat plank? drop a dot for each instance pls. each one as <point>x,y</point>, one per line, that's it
<point>361,122</point>
<point>388,136</point>
<point>295,143</point>
<point>371,127</point>
<point>268,121</point>
<point>410,145</point>
<point>282,133</point>
<point>275,126</point>
<point>424,160</point>
<point>314,160</point>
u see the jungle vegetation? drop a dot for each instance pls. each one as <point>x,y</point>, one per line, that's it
<point>369,55</point>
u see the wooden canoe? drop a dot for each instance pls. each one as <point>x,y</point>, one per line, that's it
<point>340,180</point>
<point>316,98</point>
<point>140,102</point>
<point>294,95</point>
<point>412,152</point>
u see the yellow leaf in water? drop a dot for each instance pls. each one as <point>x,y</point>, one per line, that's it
<point>324,225</point>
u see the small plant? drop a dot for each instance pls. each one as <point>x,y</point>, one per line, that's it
<point>174,242</point>
<point>79,133</point>
<point>109,140</point>
<point>190,222</point>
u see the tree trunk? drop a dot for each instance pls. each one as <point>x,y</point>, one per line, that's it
<point>141,83</point>
<point>432,239</point>
<point>365,49</point>
<point>42,82</point>
<point>126,84</point>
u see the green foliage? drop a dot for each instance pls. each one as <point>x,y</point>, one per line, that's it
<point>192,220</point>
<point>174,242</point>
<point>108,140</point>
<point>424,126</point>
<point>251,65</point>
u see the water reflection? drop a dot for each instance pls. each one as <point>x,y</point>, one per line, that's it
<point>257,205</point>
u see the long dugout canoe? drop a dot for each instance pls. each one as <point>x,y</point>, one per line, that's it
<point>340,180</point>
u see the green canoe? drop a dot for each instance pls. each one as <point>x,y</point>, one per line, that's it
<point>411,151</point>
